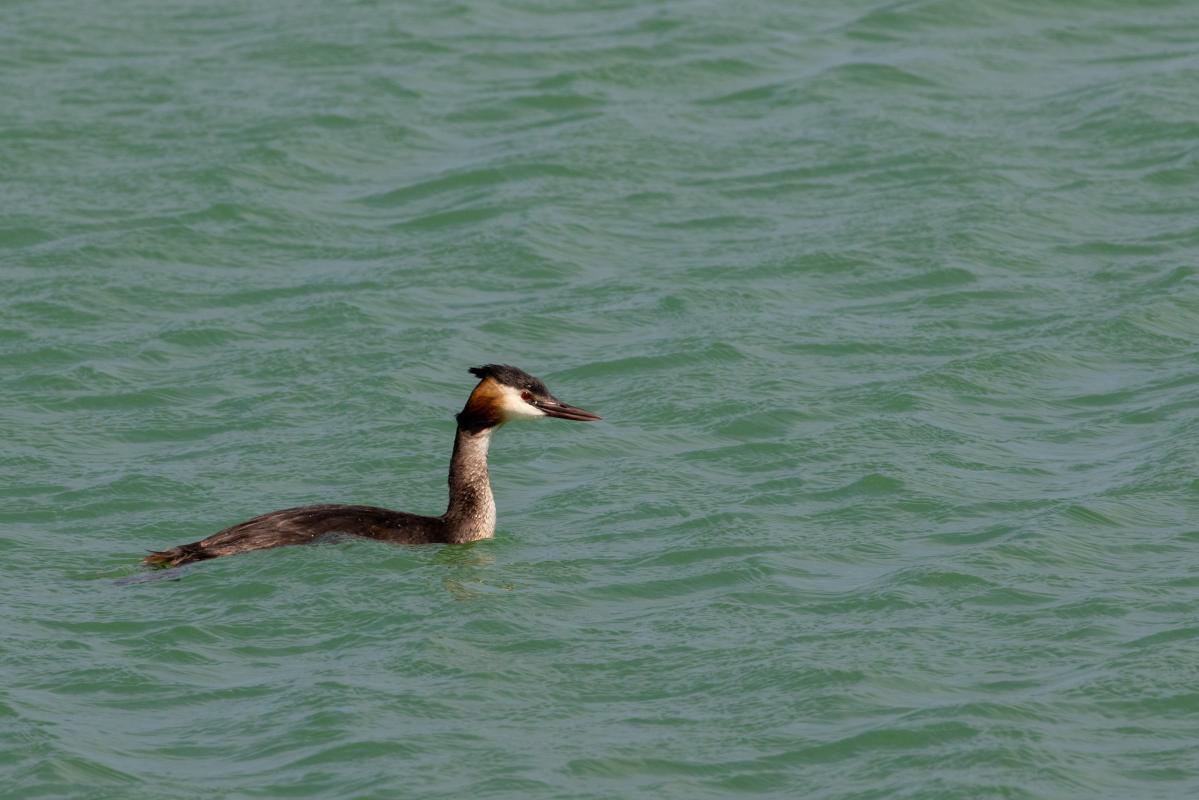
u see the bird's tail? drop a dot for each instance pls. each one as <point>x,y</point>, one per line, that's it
<point>177,556</point>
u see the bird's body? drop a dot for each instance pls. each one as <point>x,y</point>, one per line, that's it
<point>503,393</point>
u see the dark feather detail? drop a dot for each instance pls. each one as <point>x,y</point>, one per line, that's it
<point>511,376</point>
<point>176,556</point>
<point>305,525</point>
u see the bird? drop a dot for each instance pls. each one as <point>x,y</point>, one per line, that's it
<point>503,393</point>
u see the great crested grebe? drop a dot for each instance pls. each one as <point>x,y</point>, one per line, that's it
<point>503,393</point>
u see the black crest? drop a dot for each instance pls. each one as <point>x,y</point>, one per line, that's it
<point>511,376</point>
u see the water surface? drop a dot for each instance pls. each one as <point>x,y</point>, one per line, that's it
<point>891,310</point>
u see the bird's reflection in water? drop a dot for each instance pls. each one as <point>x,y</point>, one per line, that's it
<point>172,574</point>
<point>469,572</point>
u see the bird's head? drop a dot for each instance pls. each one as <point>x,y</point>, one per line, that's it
<point>506,393</point>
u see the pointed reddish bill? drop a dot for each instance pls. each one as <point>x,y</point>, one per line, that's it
<point>556,408</point>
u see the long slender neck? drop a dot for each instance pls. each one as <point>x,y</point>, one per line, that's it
<point>471,513</point>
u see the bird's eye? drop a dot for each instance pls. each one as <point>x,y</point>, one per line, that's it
<point>526,396</point>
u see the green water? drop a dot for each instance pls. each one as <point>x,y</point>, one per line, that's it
<point>891,310</point>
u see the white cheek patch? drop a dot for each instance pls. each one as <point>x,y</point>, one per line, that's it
<point>513,407</point>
